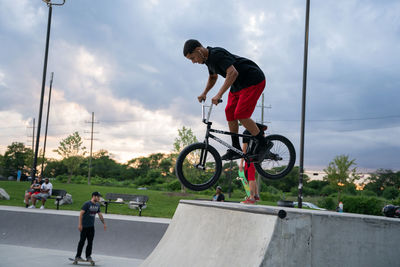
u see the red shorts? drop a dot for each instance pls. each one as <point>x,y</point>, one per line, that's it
<point>250,172</point>
<point>242,104</point>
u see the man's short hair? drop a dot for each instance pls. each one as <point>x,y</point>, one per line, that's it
<point>96,194</point>
<point>190,46</point>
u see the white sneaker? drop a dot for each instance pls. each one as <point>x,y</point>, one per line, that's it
<point>42,207</point>
<point>31,207</point>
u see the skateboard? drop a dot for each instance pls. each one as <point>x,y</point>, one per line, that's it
<point>76,262</point>
<point>244,181</point>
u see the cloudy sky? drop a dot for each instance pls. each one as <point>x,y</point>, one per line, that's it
<point>123,61</point>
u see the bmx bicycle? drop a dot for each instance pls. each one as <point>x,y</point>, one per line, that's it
<point>199,165</point>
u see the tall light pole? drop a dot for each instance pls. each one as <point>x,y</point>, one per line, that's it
<point>303,108</point>
<point>47,122</point>
<point>49,3</point>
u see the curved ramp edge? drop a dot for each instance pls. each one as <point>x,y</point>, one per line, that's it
<point>204,233</point>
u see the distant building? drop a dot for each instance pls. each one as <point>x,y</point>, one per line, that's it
<point>315,175</point>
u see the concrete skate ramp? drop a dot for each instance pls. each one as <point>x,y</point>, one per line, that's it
<point>228,234</point>
<point>126,236</point>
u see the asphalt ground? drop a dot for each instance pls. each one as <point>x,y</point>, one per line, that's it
<point>50,237</point>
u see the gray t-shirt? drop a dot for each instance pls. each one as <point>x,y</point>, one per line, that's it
<point>91,209</point>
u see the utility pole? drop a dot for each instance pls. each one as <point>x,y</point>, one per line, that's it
<point>47,121</point>
<point>262,122</point>
<point>91,146</point>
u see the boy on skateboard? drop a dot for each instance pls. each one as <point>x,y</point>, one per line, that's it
<point>86,226</point>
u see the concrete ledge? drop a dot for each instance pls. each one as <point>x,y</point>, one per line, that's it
<point>76,213</point>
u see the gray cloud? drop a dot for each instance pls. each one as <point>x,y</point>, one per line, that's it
<point>123,60</point>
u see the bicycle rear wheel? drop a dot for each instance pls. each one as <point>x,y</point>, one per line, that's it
<point>198,166</point>
<point>279,161</point>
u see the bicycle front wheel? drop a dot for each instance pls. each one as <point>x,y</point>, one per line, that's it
<point>279,161</point>
<point>198,166</point>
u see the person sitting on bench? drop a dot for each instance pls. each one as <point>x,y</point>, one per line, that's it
<point>45,193</point>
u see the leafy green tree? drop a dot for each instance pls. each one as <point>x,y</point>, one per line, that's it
<point>382,179</point>
<point>340,173</point>
<point>72,151</point>
<point>317,185</point>
<point>17,157</point>
<point>55,168</point>
<point>185,138</point>
<point>151,169</point>
<point>290,181</point>
<point>2,169</point>
<point>328,190</point>
<point>104,166</point>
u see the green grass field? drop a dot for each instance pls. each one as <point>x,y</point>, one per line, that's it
<point>161,204</point>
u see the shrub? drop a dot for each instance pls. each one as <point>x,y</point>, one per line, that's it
<point>266,196</point>
<point>396,202</point>
<point>390,193</point>
<point>327,203</point>
<point>362,204</point>
<point>368,193</point>
<point>316,184</point>
<point>272,190</point>
<point>350,189</point>
<point>174,185</point>
<point>328,190</point>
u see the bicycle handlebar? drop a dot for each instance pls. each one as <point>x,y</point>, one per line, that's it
<point>206,120</point>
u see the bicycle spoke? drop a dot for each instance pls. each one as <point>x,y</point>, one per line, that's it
<point>280,159</point>
<point>198,167</point>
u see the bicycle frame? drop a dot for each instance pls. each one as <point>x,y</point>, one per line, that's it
<point>209,134</point>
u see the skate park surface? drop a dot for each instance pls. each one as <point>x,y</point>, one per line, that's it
<point>204,233</point>
<point>49,237</point>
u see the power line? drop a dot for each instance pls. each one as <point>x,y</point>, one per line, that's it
<point>350,119</point>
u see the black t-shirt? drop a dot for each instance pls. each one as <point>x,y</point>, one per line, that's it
<point>219,60</point>
<point>91,209</point>
<point>41,182</point>
<point>35,184</point>
<point>219,197</point>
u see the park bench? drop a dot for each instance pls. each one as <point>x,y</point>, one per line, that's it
<point>137,201</point>
<point>58,194</point>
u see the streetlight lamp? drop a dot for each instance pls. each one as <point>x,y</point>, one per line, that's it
<point>49,3</point>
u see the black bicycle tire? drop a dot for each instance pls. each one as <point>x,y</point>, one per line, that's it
<point>289,166</point>
<point>181,159</point>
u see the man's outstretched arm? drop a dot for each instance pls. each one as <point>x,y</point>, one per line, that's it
<point>212,79</point>
<point>231,75</point>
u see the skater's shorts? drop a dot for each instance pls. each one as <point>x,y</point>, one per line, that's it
<point>250,172</point>
<point>241,104</point>
<point>42,196</point>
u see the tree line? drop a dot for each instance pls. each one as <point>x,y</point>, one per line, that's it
<point>157,171</point>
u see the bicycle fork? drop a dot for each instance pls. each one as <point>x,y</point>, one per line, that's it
<point>203,156</point>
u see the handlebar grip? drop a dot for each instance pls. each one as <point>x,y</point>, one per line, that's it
<point>220,100</point>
